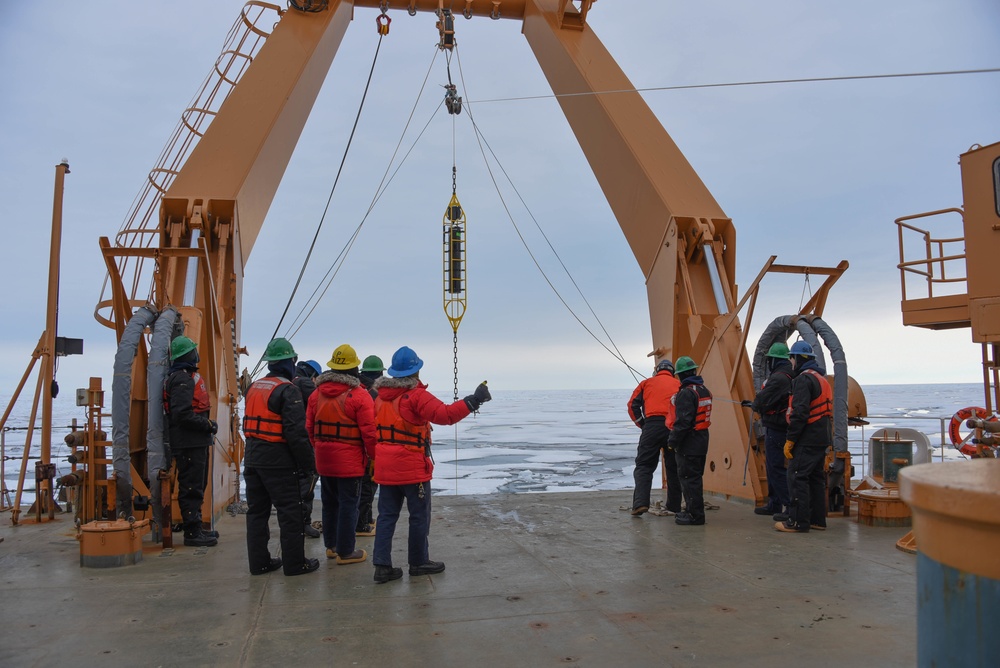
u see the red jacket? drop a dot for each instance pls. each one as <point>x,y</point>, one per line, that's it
<point>340,419</point>
<point>653,397</point>
<point>395,463</point>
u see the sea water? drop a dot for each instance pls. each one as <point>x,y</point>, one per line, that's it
<point>547,441</point>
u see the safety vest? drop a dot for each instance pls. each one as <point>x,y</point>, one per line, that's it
<point>331,422</point>
<point>392,428</point>
<point>259,421</point>
<point>199,403</point>
<point>703,418</point>
<point>821,406</point>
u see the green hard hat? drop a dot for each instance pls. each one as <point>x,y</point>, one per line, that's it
<point>181,346</point>
<point>372,363</point>
<point>279,349</point>
<point>685,363</point>
<point>779,350</point>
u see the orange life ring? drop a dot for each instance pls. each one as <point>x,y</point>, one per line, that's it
<point>958,419</point>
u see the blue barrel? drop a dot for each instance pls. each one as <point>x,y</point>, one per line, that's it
<point>956,521</point>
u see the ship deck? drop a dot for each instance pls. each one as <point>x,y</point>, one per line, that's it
<point>531,579</point>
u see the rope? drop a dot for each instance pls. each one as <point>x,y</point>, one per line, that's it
<point>766,82</point>
<point>481,139</point>
<point>383,185</point>
<point>329,199</point>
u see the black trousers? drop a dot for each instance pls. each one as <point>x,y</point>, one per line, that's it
<point>807,485</point>
<point>279,488</point>
<point>777,477</point>
<point>652,441</point>
<point>367,499</point>
<point>690,469</point>
<point>192,470</point>
<point>307,488</point>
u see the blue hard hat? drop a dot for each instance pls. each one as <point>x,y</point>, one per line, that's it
<point>404,363</point>
<point>802,348</point>
<point>315,365</point>
<point>665,365</point>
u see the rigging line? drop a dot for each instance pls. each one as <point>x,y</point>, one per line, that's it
<point>617,353</point>
<point>379,191</point>
<point>329,199</point>
<point>732,84</point>
<point>338,263</point>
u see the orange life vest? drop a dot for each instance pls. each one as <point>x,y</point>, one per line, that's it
<point>392,428</point>
<point>331,422</point>
<point>821,406</point>
<point>199,403</point>
<point>703,418</point>
<point>259,421</point>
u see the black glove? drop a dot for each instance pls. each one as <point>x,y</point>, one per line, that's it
<point>478,398</point>
<point>746,404</point>
<point>215,426</point>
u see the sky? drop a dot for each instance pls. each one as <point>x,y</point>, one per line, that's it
<point>814,173</point>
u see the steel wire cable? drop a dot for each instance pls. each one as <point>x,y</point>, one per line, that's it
<point>616,353</point>
<point>334,269</point>
<point>733,84</point>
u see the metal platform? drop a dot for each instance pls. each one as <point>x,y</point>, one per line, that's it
<point>531,580</point>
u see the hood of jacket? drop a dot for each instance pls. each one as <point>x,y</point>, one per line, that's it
<point>693,380</point>
<point>333,383</point>
<point>810,364</point>
<point>389,388</point>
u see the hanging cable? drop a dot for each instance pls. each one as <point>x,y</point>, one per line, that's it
<point>331,273</point>
<point>333,188</point>
<point>616,353</point>
<point>806,287</point>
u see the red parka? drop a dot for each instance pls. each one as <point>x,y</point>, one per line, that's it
<point>405,405</point>
<point>340,419</point>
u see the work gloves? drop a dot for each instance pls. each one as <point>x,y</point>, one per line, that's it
<point>215,426</point>
<point>478,398</point>
<point>788,449</point>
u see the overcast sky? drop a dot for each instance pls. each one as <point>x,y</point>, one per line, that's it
<point>813,173</point>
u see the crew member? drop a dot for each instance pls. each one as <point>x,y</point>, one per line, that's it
<point>771,403</point>
<point>190,433</point>
<point>651,410</point>
<point>689,439</point>
<point>305,377</point>
<point>278,455</point>
<point>341,422</point>
<point>403,465</point>
<point>810,408</point>
<point>371,370</point>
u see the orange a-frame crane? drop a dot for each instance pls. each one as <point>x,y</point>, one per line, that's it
<point>219,174</point>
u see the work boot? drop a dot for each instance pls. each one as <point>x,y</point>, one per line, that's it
<point>273,565</point>
<point>818,527</point>
<point>199,539</point>
<point>355,557</point>
<point>310,531</point>
<point>788,527</point>
<point>685,519</point>
<point>211,533</point>
<point>365,530</point>
<point>331,553</point>
<point>781,516</point>
<point>763,510</point>
<point>636,512</point>
<point>430,568</point>
<point>309,566</point>
<point>385,573</point>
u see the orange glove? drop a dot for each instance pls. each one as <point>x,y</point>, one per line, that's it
<point>788,449</point>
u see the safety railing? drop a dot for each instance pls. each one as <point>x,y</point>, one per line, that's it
<point>141,225</point>
<point>937,267</point>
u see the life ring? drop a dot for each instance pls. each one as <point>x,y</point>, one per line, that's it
<point>965,446</point>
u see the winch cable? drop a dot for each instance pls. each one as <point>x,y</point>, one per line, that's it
<point>481,139</point>
<point>329,199</point>
<point>327,280</point>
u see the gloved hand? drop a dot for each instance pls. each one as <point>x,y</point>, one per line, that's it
<point>746,404</point>
<point>788,449</point>
<point>215,426</point>
<point>478,398</point>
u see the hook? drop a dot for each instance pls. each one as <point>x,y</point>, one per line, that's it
<point>495,14</point>
<point>383,6</point>
<point>467,12</point>
<point>412,9</point>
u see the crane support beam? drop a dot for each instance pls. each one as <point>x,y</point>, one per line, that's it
<point>681,238</point>
<point>246,149</point>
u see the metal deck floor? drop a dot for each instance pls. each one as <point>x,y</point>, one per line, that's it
<point>531,580</point>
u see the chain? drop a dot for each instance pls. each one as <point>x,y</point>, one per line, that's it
<point>455,353</point>
<point>454,179</point>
